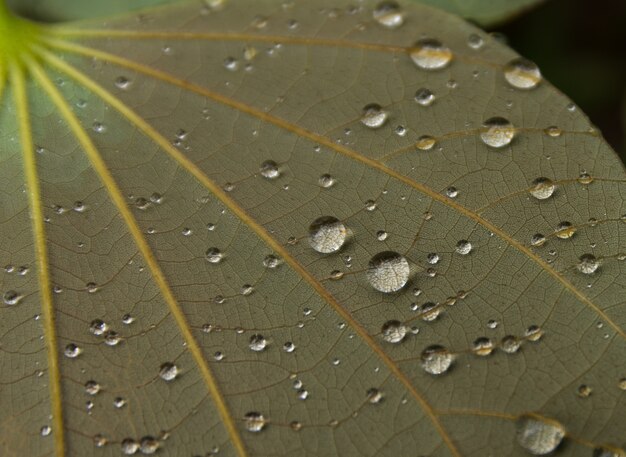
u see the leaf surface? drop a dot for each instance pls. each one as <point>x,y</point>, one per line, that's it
<point>485,12</point>
<point>179,302</point>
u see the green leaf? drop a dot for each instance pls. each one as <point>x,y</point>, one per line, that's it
<point>485,12</point>
<point>249,230</point>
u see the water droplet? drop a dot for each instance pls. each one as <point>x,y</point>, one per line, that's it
<point>12,297</point>
<point>389,14</point>
<point>463,247</point>
<point>388,272</point>
<point>129,446</point>
<point>327,234</point>
<point>370,205</point>
<point>112,338</point>
<point>289,347</point>
<point>168,371</point>
<point>255,422</point>
<point>585,178</point>
<point>553,131</point>
<point>539,435</point>
<point>393,331</point>
<point>425,143</point>
<point>432,258</point>
<point>436,359</point>
<point>533,333</point>
<point>98,327</point>
<point>91,287</point>
<point>510,344</point>
<point>122,82</point>
<point>381,235</point>
<point>542,188</point>
<point>583,391</point>
<point>537,239</point>
<point>271,261</point>
<point>45,430</point>
<point>429,311</point>
<point>400,130</point>
<point>452,192</point>
<point>424,97</point>
<point>148,445</point>
<point>269,169</point>
<point>374,116</point>
<point>374,395</point>
<point>257,342</point>
<point>499,133</point>
<point>99,127</point>
<point>72,351</point>
<point>296,426</point>
<point>608,451</point>
<point>482,346</point>
<point>214,255</point>
<point>430,54</point>
<point>92,387</point>
<point>475,41</point>
<point>565,230</point>
<point>622,384</point>
<point>588,264</point>
<point>326,181</point>
<point>522,73</point>
<point>100,441</point>
<point>127,319</point>
<point>119,402</point>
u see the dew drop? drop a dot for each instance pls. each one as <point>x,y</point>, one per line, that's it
<point>587,264</point>
<point>370,205</point>
<point>605,451</point>
<point>583,391</point>
<point>565,230</point>
<point>326,181</point>
<point>214,255</point>
<point>553,131</point>
<point>327,234</point>
<point>424,97</point>
<point>99,127</point>
<point>295,426</point>
<point>452,192</point>
<point>522,73</point>
<point>374,116</point>
<point>389,14</point>
<point>255,422</point>
<point>119,402</point>
<point>585,178</point>
<point>148,445</point>
<point>475,41</point>
<point>433,258</point>
<point>168,371</point>
<point>289,347</point>
<point>537,239</point>
<point>436,359</point>
<point>430,54</point>
<point>271,261</point>
<point>510,344</point>
<point>542,188</point>
<point>429,311</point>
<point>499,132</point>
<point>122,82</point>
<point>269,169</point>
<point>533,333</point>
<point>463,247</point>
<point>374,395</point>
<point>482,346</point>
<point>388,272</point>
<point>257,343</point>
<point>129,446</point>
<point>92,387</point>
<point>425,143</point>
<point>112,338</point>
<point>72,351</point>
<point>12,297</point>
<point>539,435</point>
<point>393,331</point>
<point>100,441</point>
<point>98,327</point>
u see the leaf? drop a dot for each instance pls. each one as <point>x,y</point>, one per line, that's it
<point>239,232</point>
<point>485,12</point>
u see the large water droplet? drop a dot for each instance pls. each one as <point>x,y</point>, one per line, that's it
<point>393,331</point>
<point>463,247</point>
<point>214,255</point>
<point>522,73</point>
<point>436,359</point>
<point>539,435</point>
<point>510,344</point>
<point>148,445</point>
<point>72,351</point>
<point>129,446</point>
<point>542,188</point>
<point>430,54</point>
<point>374,116</point>
<point>499,132</point>
<point>257,342</point>
<point>389,14</point>
<point>269,169</point>
<point>327,234</point>
<point>388,271</point>
<point>11,297</point>
<point>424,97</point>
<point>588,264</point>
<point>255,422</point>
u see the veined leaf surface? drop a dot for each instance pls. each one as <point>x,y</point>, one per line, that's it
<point>247,229</point>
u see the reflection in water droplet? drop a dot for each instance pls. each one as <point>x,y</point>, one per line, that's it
<point>269,169</point>
<point>522,73</point>
<point>327,234</point>
<point>255,422</point>
<point>542,188</point>
<point>565,230</point>
<point>393,331</point>
<point>539,435</point>
<point>374,395</point>
<point>452,192</point>
<point>257,342</point>
<point>168,371</point>
<point>388,272</point>
<point>463,247</point>
<point>436,359</point>
<point>374,116</point>
<point>381,235</point>
<point>499,132</point>
<point>370,205</point>
<point>588,264</point>
<point>389,14</point>
<point>424,97</point>
<point>430,54</point>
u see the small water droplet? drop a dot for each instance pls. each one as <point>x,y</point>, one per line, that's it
<point>374,116</point>
<point>482,346</point>
<point>255,422</point>
<point>381,235</point>
<point>11,297</point>
<point>433,258</point>
<point>122,82</point>
<point>327,234</point>
<point>430,54</point>
<point>374,395</point>
<point>583,391</point>
<point>475,41</point>
<point>92,387</point>
<point>370,205</point>
<point>148,445</point>
<point>99,127</point>
<point>45,430</point>
<point>271,261</point>
<point>533,333</point>
<point>588,264</point>
<point>389,14</point>
<point>257,343</point>
<point>269,169</point>
<point>539,435</point>
<point>565,230</point>
<point>289,347</point>
<point>499,132</point>
<point>388,272</point>
<point>463,247</point>
<point>100,441</point>
<point>452,192</point>
<point>168,371</point>
<point>542,188</point>
<point>425,143</point>
<point>214,255</point>
<point>112,338</point>
<point>510,344</point>
<point>436,359</point>
<point>537,239</point>
<point>326,181</point>
<point>393,331</point>
<point>72,351</point>
<point>424,97</point>
<point>119,402</point>
<point>98,327</point>
<point>522,73</point>
<point>129,446</point>
<point>553,131</point>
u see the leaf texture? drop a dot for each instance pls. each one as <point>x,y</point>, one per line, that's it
<point>161,184</point>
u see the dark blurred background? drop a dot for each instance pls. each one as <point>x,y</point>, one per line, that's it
<point>580,47</point>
